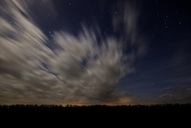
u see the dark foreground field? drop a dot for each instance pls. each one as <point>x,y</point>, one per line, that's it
<point>80,115</point>
<point>99,109</point>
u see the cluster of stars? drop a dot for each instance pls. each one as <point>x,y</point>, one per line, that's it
<point>165,18</point>
<point>165,22</point>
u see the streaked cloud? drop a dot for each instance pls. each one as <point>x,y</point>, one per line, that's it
<point>78,71</point>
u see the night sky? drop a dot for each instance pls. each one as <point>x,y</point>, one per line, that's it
<point>86,52</point>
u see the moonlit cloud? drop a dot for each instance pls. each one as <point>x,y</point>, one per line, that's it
<point>126,23</point>
<point>77,71</point>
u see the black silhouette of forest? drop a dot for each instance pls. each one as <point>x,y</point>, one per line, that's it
<point>121,109</point>
<point>159,114</point>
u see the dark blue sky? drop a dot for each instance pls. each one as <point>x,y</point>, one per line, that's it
<point>166,24</point>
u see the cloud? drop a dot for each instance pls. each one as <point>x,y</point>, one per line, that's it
<point>78,71</point>
<point>126,23</point>
<point>174,95</point>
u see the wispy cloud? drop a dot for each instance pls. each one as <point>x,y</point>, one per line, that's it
<point>174,95</point>
<point>78,71</point>
<point>126,23</point>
